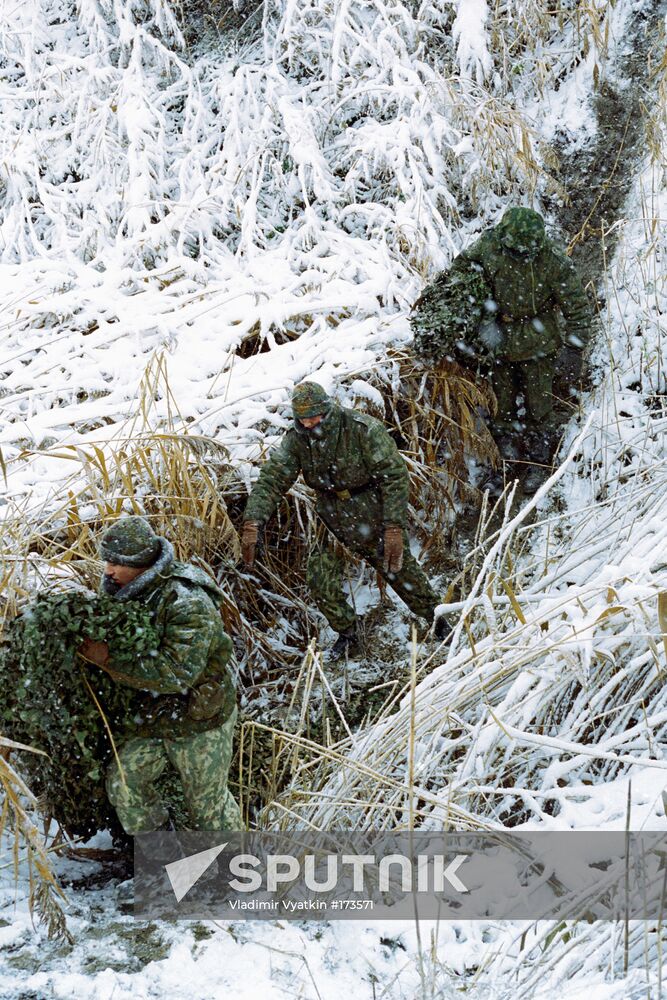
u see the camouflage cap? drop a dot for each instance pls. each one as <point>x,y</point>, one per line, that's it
<point>522,230</point>
<point>310,400</point>
<point>130,541</point>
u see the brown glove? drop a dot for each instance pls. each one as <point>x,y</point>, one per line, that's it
<point>94,652</point>
<point>249,540</point>
<point>393,549</point>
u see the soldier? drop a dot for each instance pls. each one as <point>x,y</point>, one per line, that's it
<point>511,285</point>
<point>361,483</point>
<point>187,714</point>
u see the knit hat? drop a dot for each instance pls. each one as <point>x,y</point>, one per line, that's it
<point>130,541</point>
<point>310,400</point>
<point>522,230</point>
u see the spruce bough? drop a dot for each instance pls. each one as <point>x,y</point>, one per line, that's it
<point>48,696</point>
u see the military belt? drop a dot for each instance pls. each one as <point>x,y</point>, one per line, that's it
<point>347,494</point>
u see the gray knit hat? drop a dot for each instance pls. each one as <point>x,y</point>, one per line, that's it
<point>130,541</point>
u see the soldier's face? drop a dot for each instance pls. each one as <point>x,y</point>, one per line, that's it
<point>525,252</point>
<point>120,575</point>
<point>310,422</point>
<point>522,245</point>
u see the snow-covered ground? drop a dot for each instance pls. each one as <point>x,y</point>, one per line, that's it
<point>298,188</point>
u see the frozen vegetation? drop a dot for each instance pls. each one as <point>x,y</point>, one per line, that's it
<point>237,211</point>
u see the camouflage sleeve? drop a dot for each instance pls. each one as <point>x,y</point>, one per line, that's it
<point>574,304</point>
<point>277,475</point>
<point>189,627</point>
<point>472,255</point>
<point>388,471</point>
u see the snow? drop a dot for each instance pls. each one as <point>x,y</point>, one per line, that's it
<point>300,190</point>
<point>112,956</point>
<point>470,37</point>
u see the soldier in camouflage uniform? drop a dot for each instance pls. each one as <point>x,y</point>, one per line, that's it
<point>187,714</point>
<point>361,483</point>
<point>512,299</point>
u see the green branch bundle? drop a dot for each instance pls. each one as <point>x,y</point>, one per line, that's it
<point>52,699</point>
<point>447,316</point>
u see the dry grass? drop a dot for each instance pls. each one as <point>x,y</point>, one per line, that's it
<point>16,824</point>
<point>437,415</point>
<point>177,480</point>
<point>512,157</point>
<point>501,634</point>
<point>185,485</point>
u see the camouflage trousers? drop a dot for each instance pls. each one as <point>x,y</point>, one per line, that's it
<point>534,379</point>
<point>325,576</point>
<point>536,433</point>
<point>202,762</point>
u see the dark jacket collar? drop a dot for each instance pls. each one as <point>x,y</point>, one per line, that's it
<point>329,426</point>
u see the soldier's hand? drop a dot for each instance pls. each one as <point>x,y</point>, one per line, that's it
<point>393,549</point>
<point>249,539</point>
<point>96,652</point>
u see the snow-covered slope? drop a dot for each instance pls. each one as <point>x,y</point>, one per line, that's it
<point>288,196</point>
<point>294,190</point>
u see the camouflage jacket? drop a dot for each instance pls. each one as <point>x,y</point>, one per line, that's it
<point>492,302</point>
<point>187,683</point>
<point>528,294</point>
<point>352,451</point>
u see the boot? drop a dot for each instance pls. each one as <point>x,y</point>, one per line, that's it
<point>161,849</point>
<point>347,644</point>
<point>494,483</point>
<point>536,476</point>
<point>442,628</point>
<point>150,886</point>
<point>507,443</point>
<point>539,447</point>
